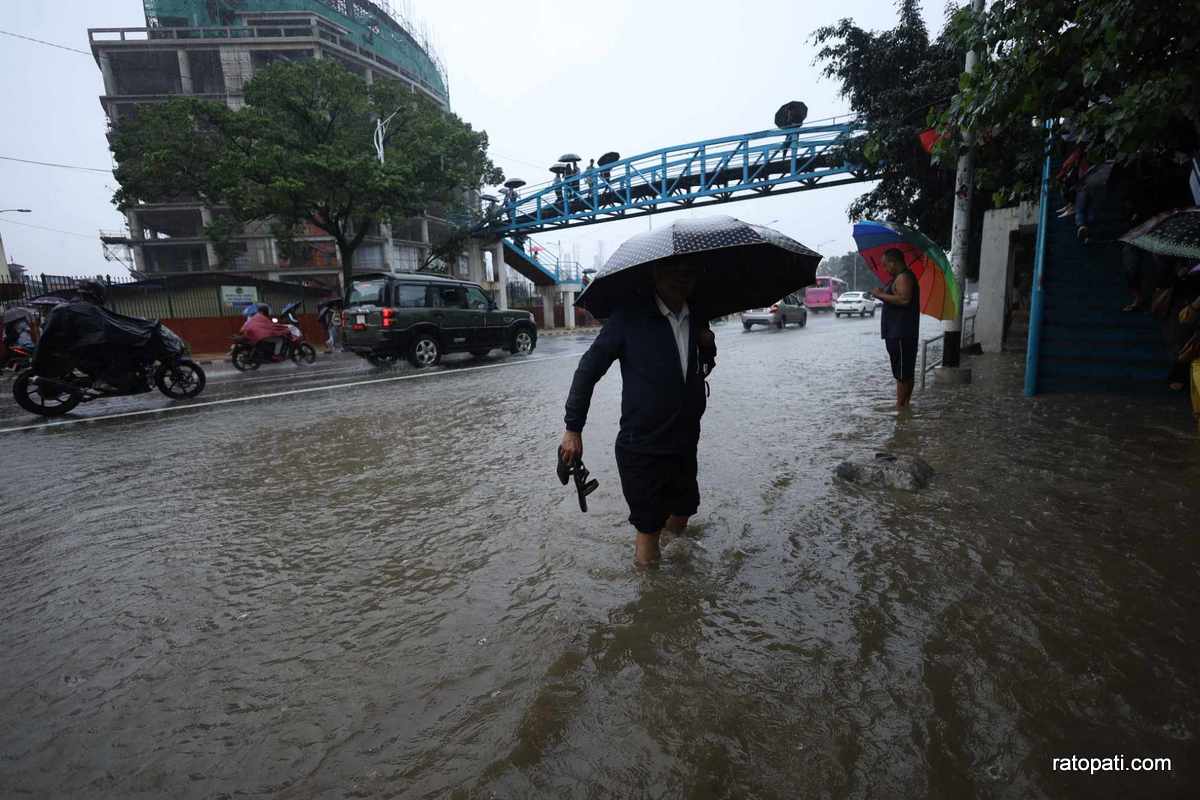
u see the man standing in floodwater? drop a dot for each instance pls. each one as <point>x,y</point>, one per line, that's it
<point>901,322</point>
<point>662,344</point>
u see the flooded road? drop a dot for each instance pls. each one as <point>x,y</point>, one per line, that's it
<point>381,590</point>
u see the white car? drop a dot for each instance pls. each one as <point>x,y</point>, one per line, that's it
<point>859,303</point>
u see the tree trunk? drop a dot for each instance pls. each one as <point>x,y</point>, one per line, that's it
<point>346,256</point>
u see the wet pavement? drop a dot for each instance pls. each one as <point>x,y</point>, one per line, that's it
<point>339,582</point>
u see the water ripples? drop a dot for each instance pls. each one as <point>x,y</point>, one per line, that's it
<point>386,593</point>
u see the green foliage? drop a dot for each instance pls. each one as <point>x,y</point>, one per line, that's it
<point>444,254</point>
<point>893,80</point>
<point>900,82</point>
<point>301,152</point>
<point>1120,75</point>
<point>851,268</point>
<point>220,232</point>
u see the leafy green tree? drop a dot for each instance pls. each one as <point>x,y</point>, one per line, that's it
<point>301,152</point>
<point>851,268</point>
<point>1120,75</point>
<point>901,82</point>
<point>892,80</point>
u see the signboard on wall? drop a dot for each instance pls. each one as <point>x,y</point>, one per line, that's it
<point>237,298</point>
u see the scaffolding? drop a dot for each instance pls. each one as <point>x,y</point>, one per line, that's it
<point>376,25</point>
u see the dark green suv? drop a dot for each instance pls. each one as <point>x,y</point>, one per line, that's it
<point>421,317</point>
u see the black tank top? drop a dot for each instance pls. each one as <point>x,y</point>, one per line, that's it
<point>902,322</point>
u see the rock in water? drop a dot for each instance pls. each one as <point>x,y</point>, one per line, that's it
<point>909,473</point>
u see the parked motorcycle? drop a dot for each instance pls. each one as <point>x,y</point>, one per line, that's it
<point>17,351</point>
<point>107,355</point>
<point>248,356</point>
<point>16,359</point>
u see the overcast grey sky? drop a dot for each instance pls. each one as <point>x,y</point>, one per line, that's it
<point>541,77</point>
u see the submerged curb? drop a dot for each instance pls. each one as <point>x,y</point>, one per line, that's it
<point>568,331</point>
<point>211,359</point>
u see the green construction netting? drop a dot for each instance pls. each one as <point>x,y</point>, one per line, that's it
<point>370,26</point>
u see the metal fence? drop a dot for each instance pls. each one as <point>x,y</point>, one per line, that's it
<point>26,287</point>
<point>169,297</point>
<point>522,293</point>
<point>927,365</point>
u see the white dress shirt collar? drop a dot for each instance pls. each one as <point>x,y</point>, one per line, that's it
<point>680,328</point>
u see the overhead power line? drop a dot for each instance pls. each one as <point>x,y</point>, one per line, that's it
<point>53,164</point>
<point>518,160</point>
<point>48,44</point>
<point>92,236</point>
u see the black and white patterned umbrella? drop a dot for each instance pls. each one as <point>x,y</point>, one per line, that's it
<point>1172,233</point>
<point>739,266</point>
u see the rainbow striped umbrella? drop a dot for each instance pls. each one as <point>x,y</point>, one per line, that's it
<point>939,291</point>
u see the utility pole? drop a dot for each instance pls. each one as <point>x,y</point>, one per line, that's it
<point>960,235</point>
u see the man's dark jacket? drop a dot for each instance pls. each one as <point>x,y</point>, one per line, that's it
<point>660,411</point>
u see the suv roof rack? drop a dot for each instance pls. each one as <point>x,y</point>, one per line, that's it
<point>420,275</point>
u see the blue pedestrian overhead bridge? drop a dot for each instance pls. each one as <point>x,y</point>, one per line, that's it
<point>727,169</point>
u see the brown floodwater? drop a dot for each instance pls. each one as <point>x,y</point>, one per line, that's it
<point>382,591</point>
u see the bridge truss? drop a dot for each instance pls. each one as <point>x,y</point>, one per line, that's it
<point>731,168</point>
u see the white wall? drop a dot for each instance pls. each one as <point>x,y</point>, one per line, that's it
<point>995,271</point>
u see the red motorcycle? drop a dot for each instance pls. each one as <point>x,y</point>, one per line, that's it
<point>248,356</point>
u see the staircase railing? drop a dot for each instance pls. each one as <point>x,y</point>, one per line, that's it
<point>555,265</point>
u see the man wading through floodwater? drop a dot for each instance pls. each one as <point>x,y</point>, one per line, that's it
<point>662,343</point>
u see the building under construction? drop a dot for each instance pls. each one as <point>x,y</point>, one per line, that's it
<point>211,49</point>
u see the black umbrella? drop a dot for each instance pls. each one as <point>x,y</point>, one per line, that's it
<point>49,300</point>
<point>791,115</point>
<point>740,266</point>
<point>18,312</point>
<point>515,183</point>
<point>1172,233</point>
<point>608,158</point>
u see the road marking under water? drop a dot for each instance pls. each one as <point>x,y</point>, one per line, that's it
<point>239,379</point>
<point>289,392</point>
<point>286,370</point>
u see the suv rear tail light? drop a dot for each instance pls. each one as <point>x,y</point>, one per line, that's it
<point>387,317</point>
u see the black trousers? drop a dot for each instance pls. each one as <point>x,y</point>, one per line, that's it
<point>656,486</point>
<point>903,355</point>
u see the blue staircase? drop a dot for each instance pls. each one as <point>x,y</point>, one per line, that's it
<point>1088,344</point>
<point>545,269</point>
